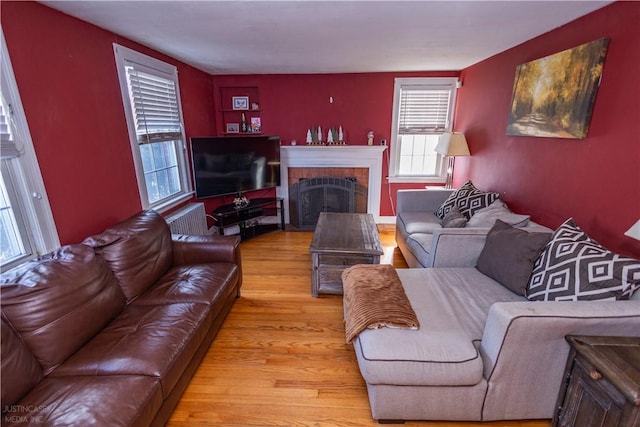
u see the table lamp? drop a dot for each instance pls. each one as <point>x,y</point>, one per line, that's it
<point>634,231</point>
<point>451,145</point>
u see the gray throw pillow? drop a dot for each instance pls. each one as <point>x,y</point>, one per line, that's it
<point>454,219</point>
<point>497,210</point>
<point>509,254</point>
<point>574,267</point>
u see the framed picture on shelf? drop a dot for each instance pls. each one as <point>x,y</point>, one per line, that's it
<point>240,102</point>
<point>255,124</point>
<point>233,127</point>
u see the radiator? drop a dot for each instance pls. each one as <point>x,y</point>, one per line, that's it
<point>191,219</point>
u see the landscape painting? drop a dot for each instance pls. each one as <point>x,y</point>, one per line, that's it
<point>553,96</point>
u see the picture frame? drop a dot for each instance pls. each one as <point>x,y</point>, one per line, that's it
<point>240,102</point>
<point>256,125</point>
<point>233,127</point>
<point>553,97</point>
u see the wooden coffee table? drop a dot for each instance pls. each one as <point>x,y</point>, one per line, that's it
<point>340,241</point>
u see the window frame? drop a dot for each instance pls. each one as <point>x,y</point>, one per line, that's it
<point>22,175</point>
<point>10,171</point>
<point>125,56</point>
<point>394,162</point>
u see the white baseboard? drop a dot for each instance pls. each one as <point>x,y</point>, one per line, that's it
<point>386,220</point>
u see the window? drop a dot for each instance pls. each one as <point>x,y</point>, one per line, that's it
<point>151,97</point>
<point>15,245</point>
<point>27,229</point>
<point>422,111</point>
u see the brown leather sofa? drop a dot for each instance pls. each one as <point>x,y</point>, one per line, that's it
<point>109,332</point>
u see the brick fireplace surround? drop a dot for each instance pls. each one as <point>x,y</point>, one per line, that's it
<point>341,156</point>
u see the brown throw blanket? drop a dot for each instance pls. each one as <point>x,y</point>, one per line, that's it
<point>374,298</point>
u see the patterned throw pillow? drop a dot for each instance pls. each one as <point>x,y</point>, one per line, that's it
<point>574,267</point>
<point>468,199</point>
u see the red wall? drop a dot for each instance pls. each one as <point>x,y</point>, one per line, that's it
<point>291,104</point>
<point>595,180</point>
<point>67,78</point>
<point>68,82</point>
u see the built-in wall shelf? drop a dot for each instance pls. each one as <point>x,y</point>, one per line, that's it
<point>238,102</point>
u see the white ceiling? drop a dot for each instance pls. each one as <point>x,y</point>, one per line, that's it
<point>290,37</point>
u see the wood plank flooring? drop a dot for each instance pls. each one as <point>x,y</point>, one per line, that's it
<point>280,358</point>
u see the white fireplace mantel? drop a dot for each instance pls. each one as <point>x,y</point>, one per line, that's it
<point>334,156</point>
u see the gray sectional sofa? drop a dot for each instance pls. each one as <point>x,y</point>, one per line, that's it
<point>424,242</point>
<point>482,352</point>
<point>493,312</point>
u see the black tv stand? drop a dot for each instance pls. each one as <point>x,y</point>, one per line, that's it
<point>261,215</point>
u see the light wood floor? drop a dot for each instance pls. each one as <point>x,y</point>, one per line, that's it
<point>280,358</point>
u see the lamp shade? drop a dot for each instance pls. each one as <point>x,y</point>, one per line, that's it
<point>634,231</point>
<point>452,144</point>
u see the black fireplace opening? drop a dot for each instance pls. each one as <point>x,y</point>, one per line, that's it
<point>310,196</point>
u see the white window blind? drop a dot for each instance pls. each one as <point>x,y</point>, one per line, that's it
<point>155,106</point>
<point>8,149</point>
<point>151,99</point>
<point>423,111</point>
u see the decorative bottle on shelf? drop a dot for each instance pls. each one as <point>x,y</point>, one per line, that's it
<point>243,123</point>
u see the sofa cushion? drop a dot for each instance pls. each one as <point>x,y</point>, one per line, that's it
<point>204,283</point>
<point>419,222</point>
<point>452,305</point>
<point>115,401</point>
<point>574,267</point>
<point>60,301</point>
<point>454,219</point>
<point>138,251</point>
<point>420,245</point>
<point>468,199</point>
<point>497,210</point>
<point>509,254</point>
<point>157,341</point>
<point>19,370</point>
<point>189,250</point>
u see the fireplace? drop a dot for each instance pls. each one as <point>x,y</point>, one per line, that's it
<point>363,161</point>
<point>308,197</point>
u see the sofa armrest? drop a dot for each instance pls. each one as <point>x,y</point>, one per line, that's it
<point>524,350</point>
<point>456,247</point>
<point>205,249</point>
<point>420,200</point>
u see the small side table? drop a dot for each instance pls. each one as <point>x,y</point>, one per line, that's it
<point>601,385</point>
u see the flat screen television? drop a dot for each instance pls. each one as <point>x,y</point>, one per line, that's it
<point>234,164</point>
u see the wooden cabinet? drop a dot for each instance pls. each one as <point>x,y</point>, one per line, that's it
<point>601,386</point>
<point>239,101</point>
